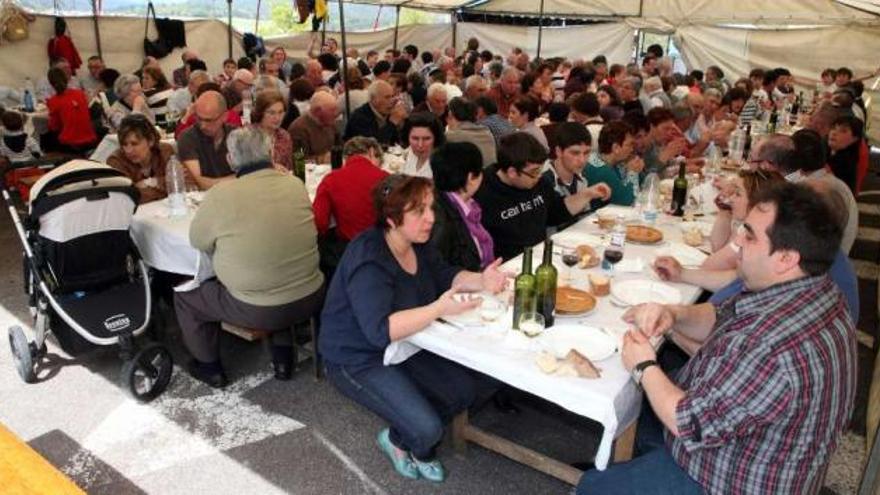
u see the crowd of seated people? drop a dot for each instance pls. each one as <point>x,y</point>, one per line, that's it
<point>499,150</point>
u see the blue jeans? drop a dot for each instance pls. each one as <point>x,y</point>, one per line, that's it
<point>654,472</point>
<point>416,397</point>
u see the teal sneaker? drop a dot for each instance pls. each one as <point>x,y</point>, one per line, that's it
<point>430,470</point>
<point>400,459</point>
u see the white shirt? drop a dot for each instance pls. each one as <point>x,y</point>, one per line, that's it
<point>410,166</point>
<point>180,100</point>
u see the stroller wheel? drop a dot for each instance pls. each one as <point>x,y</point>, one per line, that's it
<point>21,353</point>
<point>148,373</point>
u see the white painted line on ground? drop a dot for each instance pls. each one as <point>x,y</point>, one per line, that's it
<point>185,423</point>
<point>350,464</point>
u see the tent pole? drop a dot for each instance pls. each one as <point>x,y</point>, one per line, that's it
<point>229,26</point>
<point>323,31</point>
<point>95,10</point>
<point>540,28</point>
<point>257,19</point>
<point>344,77</point>
<point>396,26</point>
<point>455,32</point>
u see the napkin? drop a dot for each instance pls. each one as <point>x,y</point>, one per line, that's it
<point>630,265</point>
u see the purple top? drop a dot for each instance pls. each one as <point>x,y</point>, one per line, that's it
<point>471,213</point>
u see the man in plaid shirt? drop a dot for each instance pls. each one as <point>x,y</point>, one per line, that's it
<point>762,404</point>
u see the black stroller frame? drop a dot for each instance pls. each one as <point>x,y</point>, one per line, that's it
<point>108,299</point>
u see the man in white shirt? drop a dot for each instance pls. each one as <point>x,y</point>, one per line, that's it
<point>90,83</point>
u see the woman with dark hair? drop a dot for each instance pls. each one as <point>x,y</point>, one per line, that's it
<point>390,284</point>
<point>301,91</point>
<point>458,234</point>
<point>142,156</point>
<point>610,107</point>
<point>532,85</point>
<point>423,132</point>
<point>157,90</point>
<point>70,123</point>
<point>267,115</point>
<point>522,115</point>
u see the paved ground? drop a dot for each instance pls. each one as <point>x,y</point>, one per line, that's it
<point>260,436</point>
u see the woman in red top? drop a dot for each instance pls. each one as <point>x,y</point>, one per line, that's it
<point>70,124</point>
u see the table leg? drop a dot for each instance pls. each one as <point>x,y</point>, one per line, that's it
<point>459,425</point>
<point>623,446</point>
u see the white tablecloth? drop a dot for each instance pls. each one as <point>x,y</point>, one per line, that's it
<point>612,400</point>
<point>110,143</point>
<point>163,241</point>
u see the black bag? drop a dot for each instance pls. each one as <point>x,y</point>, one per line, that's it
<point>172,34</point>
<point>253,46</point>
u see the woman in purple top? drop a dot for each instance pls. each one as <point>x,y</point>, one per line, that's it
<point>458,234</point>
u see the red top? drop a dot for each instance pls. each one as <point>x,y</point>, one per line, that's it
<point>346,195</point>
<point>69,117</point>
<point>63,47</point>
<point>232,118</point>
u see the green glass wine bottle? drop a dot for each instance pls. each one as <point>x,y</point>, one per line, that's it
<point>545,284</point>
<point>679,191</point>
<point>524,289</point>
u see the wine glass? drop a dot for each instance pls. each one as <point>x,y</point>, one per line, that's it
<point>611,257</point>
<point>569,258</point>
<point>531,324</point>
<point>492,308</point>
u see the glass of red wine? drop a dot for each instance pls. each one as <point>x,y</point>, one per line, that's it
<point>611,257</point>
<point>570,258</point>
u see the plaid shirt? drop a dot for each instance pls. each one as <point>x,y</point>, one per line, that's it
<point>770,393</point>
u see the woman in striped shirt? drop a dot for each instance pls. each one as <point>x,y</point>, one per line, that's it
<point>157,90</point>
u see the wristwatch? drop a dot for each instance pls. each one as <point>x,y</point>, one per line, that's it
<point>639,370</point>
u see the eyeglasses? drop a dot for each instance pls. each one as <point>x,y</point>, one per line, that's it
<point>534,174</point>
<point>210,120</point>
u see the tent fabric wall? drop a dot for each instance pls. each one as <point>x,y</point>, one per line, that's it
<point>122,44</point>
<point>806,52</point>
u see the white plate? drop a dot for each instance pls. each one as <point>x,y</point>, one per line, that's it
<point>572,239</point>
<point>473,318</point>
<point>705,227</point>
<point>593,343</point>
<point>633,292</point>
<point>686,255</point>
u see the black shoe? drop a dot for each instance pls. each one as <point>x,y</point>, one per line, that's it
<point>211,377</point>
<point>283,371</point>
<point>504,403</point>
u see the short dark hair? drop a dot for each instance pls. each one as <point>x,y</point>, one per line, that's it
<point>12,121</point>
<point>659,115</point>
<point>328,61</point>
<point>245,63</point>
<point>401,65</point>
<point>57,79</point>
<point>462,109</point>
<point>845,71</point>
<point>195,64</point>
<point>655,50</point>
<point>719,74</point>
<point>518,149</point>
<point>697,75</point>
<point>230,61</point>
<point>804,223</point>
<point>856,126</point>
<point>452,163</point>
<point>829,72</point>
<point>735,94</point>
<point>411,50</point>
<point>770,77</point>
<point>809,152</point>
<point>396,195</point>
<point>108,77</point>
<point>297,70</point>
<point>487,104</point>
<point>647,59</point>
<point>138,125</point>
<point>757,72</point>
<point>427,57</point>
<point>423,119</point>
<point>586,103</point>
<point>558,111</point>
<point>636,121</point>
<point>527,81</point>
<point>381,67</point>
<point>572,134</point>
<point>527,105</point>
<point>613,133</point>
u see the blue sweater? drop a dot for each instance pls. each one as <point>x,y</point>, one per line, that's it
<point>841,273</point>
<point>368,286</point>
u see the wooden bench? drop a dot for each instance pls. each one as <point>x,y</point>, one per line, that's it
<point>23,471</point>
<point>310,349</point>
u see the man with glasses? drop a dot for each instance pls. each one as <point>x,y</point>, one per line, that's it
<point>202,148</point>
<point>517,205</point>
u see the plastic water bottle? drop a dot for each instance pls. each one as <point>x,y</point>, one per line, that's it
<point>246,104</point>
<point>736,144</point>
<point>175,185</point>
<point>28,95</point>
<point>650,198</point>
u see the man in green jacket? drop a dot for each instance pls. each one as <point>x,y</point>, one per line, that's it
<point>615,165</point>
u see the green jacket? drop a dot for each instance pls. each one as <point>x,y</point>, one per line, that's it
<point>624,185</point>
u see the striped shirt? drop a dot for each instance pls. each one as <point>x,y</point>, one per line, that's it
<point>157,100</point>
<point>770,393</point>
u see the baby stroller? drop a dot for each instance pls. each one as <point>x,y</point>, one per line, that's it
<point>83,276</point>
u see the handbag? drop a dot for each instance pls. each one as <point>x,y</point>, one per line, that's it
<point>15,23</point>
<point>159,48</point>
<point>171,32</point>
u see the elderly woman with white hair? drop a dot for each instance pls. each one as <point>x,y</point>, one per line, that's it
<point>264,285</point>
<point>130,99</point>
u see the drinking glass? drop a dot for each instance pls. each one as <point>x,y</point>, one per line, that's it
<point>611,257</point>
<point>492,308</point>
<point>531,324</point>
<point>569,259</point>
